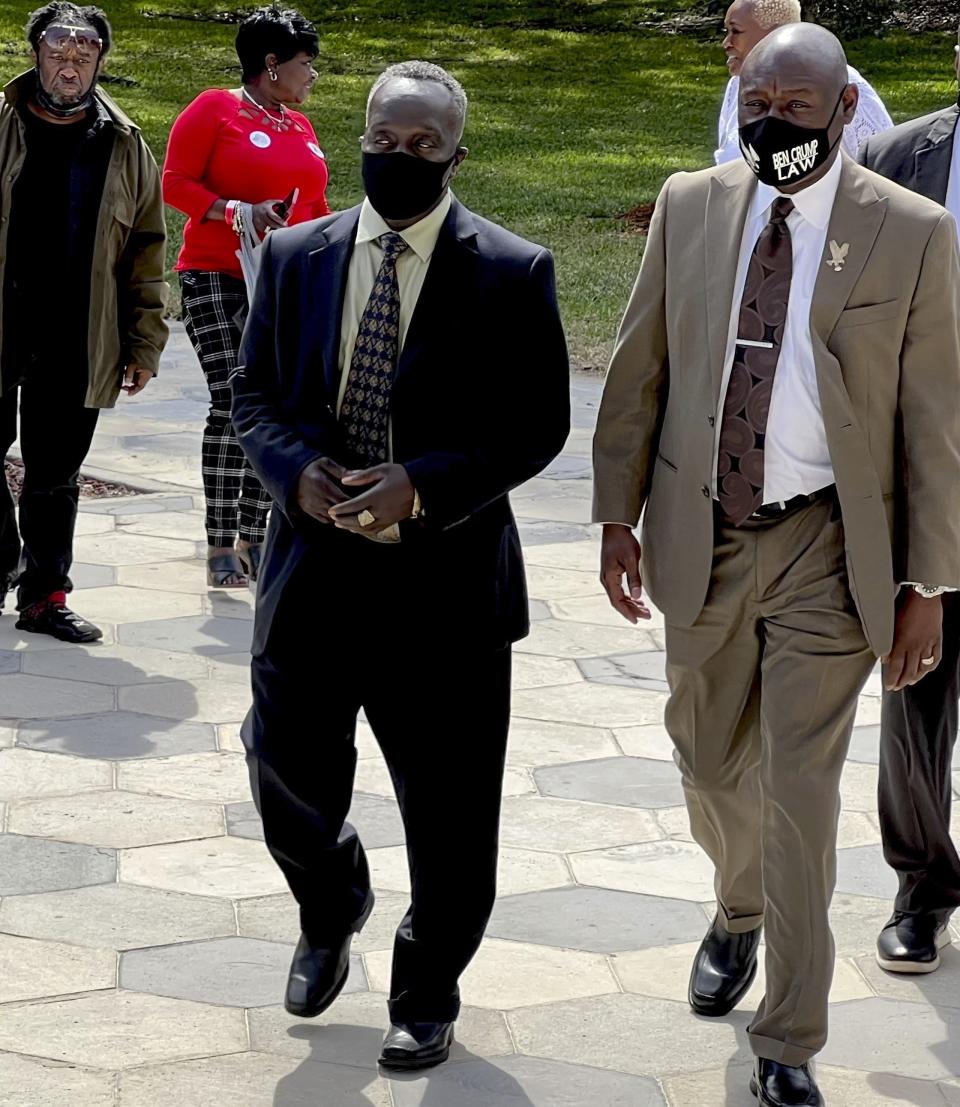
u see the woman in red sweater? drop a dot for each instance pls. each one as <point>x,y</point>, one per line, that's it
<point>243,146</point>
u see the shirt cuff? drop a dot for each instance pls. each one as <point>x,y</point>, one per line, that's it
<point>928,591</point>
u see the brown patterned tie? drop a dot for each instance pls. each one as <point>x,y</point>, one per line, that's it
<point>763,312</point>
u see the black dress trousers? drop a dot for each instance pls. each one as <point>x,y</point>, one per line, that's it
<point>355,630</point>
<point>917,736</point>
<point>56,431</point>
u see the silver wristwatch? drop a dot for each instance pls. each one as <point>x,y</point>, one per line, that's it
<point>928,591</point>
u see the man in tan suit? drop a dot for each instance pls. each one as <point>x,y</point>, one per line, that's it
<point>784,407</point>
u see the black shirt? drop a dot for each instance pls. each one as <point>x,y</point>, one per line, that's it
<point>53,223</point>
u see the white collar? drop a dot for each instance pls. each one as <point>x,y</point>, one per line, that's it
<point>814,203</point>
<point>421,237</point>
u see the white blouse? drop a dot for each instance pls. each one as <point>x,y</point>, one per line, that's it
<point>871,118</point>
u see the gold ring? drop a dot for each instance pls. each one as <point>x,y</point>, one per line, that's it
<point>366,518</point>
<point>927,660</point>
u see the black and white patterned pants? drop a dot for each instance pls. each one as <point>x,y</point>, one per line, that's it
<point>236,500</point>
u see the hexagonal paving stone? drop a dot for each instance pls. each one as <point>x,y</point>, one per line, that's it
<point>600,705</point>
<point>596,919</point>
<point>350,1033</point>
<point>116,819</point>
<point>376,818</point>
<point>520,870</point>
<point>216,777</point>
<point>40,865</point>
<point>253,1080</point>
<point>117,916</point>
<point>630,781</point>
<point>650,741</point>
<point>118,736</point>
<point>633,670</point>
<point>117,1030</point>
<point>633,1034</point>
<point>566,826</point>
<point>665,974</point>
<point>204,701</point>
<point>33,969</point>
<point>166,576</point>
<point>531,671</point>
<point>559,584</point>
<point>553,638</point>
<point>30,697</point>
<point>41,1083</point>
<point>528,1081</point>
<point>852,1089</point>
<point>862,871</point>
<point>871,1034</point>
<point>10,661</point>
<point>235,972</point>
<point>229,867</point>
<point>206,635</point>
<point>92,576</point>
<point>938,989</point>
<point>535,743</point>
<point>679,870</point>
<point>115,665</point>
<point>127,605</point>
<point>25,774</point>
<point>505,975</point>
<point>858,788</point>
<point>130,549</point>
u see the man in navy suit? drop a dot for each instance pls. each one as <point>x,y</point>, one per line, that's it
<point>403,368</point>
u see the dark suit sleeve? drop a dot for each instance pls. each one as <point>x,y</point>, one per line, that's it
<point>272,444</point>
<point>532,417</point>
<point>863,154</point>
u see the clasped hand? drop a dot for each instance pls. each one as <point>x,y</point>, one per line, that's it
<point>384,490</point>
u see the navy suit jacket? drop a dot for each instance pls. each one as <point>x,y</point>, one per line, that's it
<point>480,403</point>
<point>916,154</point>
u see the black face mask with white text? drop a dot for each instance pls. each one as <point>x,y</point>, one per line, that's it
<point>782,153</point>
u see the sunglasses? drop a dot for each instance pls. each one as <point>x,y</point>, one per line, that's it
<point>86,42</point>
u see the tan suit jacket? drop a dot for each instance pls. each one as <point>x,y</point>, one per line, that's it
<point>886,336</point>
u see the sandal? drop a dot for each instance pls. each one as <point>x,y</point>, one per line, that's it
<point>224,568</point>
<point>250,559</point>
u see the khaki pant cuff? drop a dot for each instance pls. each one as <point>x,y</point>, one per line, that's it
<point>741,924</point>
<point>770,1049</point>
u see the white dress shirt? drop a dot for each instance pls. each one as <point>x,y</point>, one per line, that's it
<point>412,267</point>
<point>952,203</point>
<point>871,118</point>
<point>796,455</point>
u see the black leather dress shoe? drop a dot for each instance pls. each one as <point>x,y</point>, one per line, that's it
<point>777,1085</point>
<point>912,943</point>
<point>57,620</point>
<point>416,1045</point>
<point>317,976</point>
<point>723,970</point>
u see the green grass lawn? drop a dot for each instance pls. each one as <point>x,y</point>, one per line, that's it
<point>578,110</point>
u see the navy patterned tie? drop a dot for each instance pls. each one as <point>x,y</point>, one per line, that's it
<point>365,411</point>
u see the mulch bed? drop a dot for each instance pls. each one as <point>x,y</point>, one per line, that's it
<point>90,487</point>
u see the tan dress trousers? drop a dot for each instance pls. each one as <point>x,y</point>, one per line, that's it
<point>764,690</point>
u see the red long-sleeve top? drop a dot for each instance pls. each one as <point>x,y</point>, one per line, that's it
<point>225,148</point>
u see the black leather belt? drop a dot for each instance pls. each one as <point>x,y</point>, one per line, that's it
<point>780,508</point>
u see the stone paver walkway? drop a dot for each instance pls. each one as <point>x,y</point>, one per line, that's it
<point>145,933</point>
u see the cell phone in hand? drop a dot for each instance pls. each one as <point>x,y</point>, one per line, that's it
<point>284,207</point>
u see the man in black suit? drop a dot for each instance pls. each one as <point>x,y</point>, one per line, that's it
<point>919,724</point>
<point>403,368</point>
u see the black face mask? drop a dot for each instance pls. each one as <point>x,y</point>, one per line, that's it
<point>401,186</point>
<point>783,153</point>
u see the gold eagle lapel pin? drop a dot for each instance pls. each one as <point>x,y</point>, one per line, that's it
<point>838,255</point>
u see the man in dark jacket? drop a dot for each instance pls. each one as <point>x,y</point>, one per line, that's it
<point>80,201</point>
<point>918,726</point>
<point>403,368</point>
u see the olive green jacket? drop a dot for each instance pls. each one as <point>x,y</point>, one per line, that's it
<point>127,290</point>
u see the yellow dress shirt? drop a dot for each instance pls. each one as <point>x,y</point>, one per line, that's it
<point>412,267</point>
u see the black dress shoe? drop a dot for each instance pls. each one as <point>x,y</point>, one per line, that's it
<point>56,619</point>
<point>416,1045</point>
<point>912,943</point>
<point>723,970</point>
<point>777,1085</point>
<point>317,976</point>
